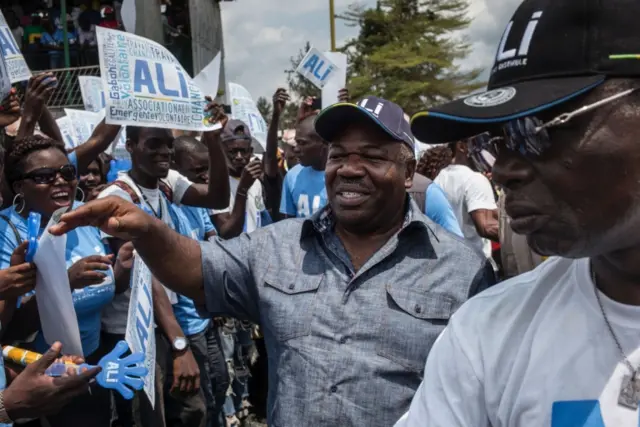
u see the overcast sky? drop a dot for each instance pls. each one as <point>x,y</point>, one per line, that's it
<point>261,35</point>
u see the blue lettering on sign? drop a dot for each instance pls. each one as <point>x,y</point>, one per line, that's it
<point>142,78</point>
<point>311,63</point>
<point>7,43</point>
<point>143,321</point>
<point>577,413</point>
<point>104,102</point>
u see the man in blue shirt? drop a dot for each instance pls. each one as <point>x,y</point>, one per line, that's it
<point>303,191</point>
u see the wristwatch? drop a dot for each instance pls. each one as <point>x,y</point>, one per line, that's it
<point>4,417</point>
<point>180,344</point>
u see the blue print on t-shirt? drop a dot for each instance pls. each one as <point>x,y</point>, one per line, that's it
<point>303,192</point>
<point>577,413</point>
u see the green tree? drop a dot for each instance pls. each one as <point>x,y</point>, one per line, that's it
<point>265,108</point>
<point>298,85</point>
<point>407,51</point>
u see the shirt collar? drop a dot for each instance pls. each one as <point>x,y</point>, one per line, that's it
<point>323,221</point>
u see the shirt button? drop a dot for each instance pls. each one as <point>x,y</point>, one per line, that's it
<point>292,286</point>
<point>334,389</point>
<point>418,309</point>
<point>343,340</point>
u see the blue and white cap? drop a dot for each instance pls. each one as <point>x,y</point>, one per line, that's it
<point>384,114</point>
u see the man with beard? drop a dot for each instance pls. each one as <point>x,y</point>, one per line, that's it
<point>557,346</point>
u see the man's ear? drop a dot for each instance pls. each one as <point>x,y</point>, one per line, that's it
<point>130,145</point>
<point>410,170</point>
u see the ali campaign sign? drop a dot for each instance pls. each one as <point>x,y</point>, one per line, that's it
<point>140,324</point>
<point>92,93</point>
<point>317,68</point>
<point>16,65</point>
<point>244,108</point>
<point>145,85</point>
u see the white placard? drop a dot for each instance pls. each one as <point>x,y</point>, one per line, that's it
<point>128,14</point>
<point>146,86</point>
<point>244,108</point>
<point>337,82</point>
<point>92,93</point>
<point>83,123</point>
<point>53,291</point>
<point>16,65</point>
<point>140,334</point>
<point>317,68</point>
<point>209,78</point>
<point>5,79</point>
<point>64,123</point>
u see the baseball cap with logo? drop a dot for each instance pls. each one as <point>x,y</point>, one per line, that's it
<point>385,114</point>
<point>550,52</point>
<point>236,129</point>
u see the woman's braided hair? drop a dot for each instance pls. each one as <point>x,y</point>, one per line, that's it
<point>20,149</point>
<point>434,160</point>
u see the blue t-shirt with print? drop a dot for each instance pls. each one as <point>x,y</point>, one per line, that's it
<point>88,302</point>
<point>303,192</point>
<point>439,210</point>
<point>195,223</point>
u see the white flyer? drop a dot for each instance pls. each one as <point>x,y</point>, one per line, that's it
<point>16,65</point>
<point>338,82</point>
<point>83,123</point>
<point>64,123</point>
<point>209,78</point>
<point>140,334</point>
<point>244,108</point>
<point>53,291</point>
<point>145,85</point>
<point>92,93</point>
<point>317,68</point>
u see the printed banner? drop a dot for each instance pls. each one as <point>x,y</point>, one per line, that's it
<point>83,123</point>
<point>92,93</point>
<point>145,85</point>
<point>16,65</point>
<point>244,108</point>
<point>317,68</point>
<point>64,123</point>
<point>140,333</point>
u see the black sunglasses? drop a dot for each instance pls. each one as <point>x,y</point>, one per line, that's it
<point>49,175</point>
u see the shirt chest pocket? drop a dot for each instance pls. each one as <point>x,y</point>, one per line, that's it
<point>411,323</point>
<point>288,303</point>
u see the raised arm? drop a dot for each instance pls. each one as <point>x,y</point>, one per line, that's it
<point>229,285</point>
<point>215,194</point>
<point>271,170</point>
<point>38,92</point>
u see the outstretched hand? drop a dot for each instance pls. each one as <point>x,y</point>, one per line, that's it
<point>112,215</point>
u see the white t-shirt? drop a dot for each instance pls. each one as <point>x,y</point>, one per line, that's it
<point>468,191</point>
<point>114,316</point>
<point>255,204</point>
<point>533,351</point>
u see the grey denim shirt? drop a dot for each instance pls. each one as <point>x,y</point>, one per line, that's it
<point>345,348</point>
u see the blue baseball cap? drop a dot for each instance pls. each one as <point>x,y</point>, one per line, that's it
<point>385,114</point>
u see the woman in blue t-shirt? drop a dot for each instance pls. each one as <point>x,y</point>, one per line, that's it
<point>44,180</point>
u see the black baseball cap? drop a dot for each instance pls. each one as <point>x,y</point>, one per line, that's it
<point>384,114</point>
<point>551,52</point>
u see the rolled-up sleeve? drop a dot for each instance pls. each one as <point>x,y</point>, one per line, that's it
<point>229,285</point>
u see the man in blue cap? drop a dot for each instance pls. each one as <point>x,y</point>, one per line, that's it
<point>557,346</point>
<point>350,300</point>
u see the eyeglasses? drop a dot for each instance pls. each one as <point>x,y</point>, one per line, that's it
<point>529,136</point>
<point>482,152</point>
<point>49,175</point>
